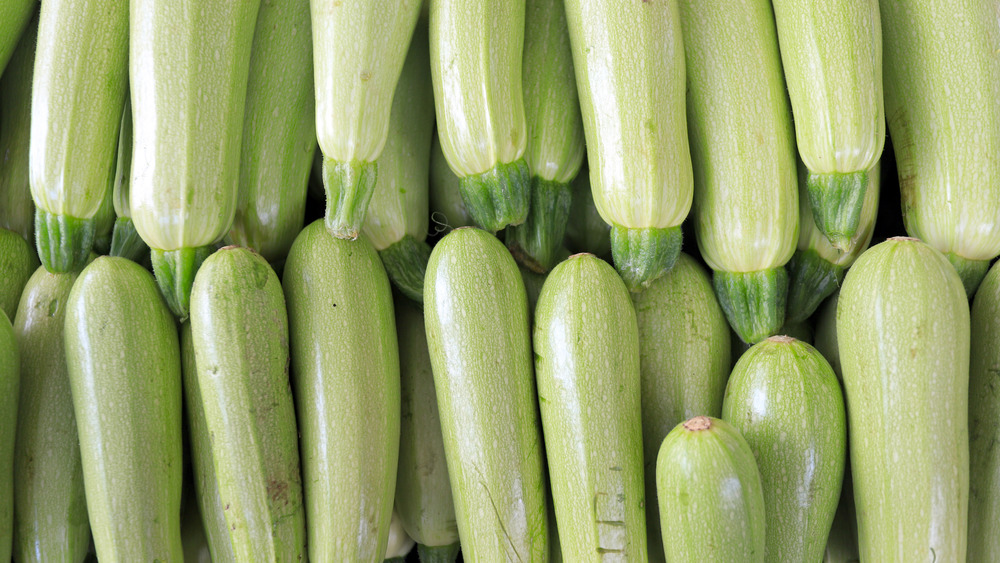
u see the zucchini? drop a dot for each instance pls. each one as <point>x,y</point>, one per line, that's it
<point>586,231</point>
<point>345,372</point>
<point>187,130</point>
<point>942,105</point>
<point>14,17</point>
<point>17,209</point>
<point>10,378</point>
<point>746,205</point>
<point>247,403</point>
<point>831,53</point>
<point>903,330</point>
<point>399,544</point>
<point>125,241</point>
<point>124,373</point>
<point>17,263</point>
<point>710,494</point>
<point>447,208</point>
<point>684,352</point>
<point>278,146</point>
<point>476,317</point>
<point>785,400</point>
<point>476,62</point>
<point>592,426</point>
<point>104,221</point>
<point>50,522</point>
<point>554,148</point>
<point>629,62</point>
<point>826,333</point>
<point>398,216</point>
<point>355,82</point>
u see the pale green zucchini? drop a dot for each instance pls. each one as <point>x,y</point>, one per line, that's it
<point>279,132</point>
<point>942,104</point>
<point>17,263</point>
<point>50,509</point>
<point>355,82</point>
<point>476,317</point>
<point>247,402</point>
<point>447,208</point>
<point>345,370</point>
<point>555,148</point>
<point>785,400</point>
<point>399,543</point>
<point>17,209</point>
<point>746,206</point>
<point>587,231</point>
<point>684,351</point>
<point>826,333</point>
<point>188,64</point>
<point>125,241</point>
<point>476,62</point>
<point>584,325</point>
<point>710,494</point>
<point>423,492</point>
<point>398,216</point>
<point>903,330</point>
<point>14,17</point>
<point>10,377</point>
<point>831,53</point>
<point>124,372</point>
<point>629,62</point>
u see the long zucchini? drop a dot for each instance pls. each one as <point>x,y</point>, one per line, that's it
<point>476,317</point>
<point>125,241</point>
<point>17,209</point>
<point>10,378</point>
<point>17,263</point>
<point>14,17</point>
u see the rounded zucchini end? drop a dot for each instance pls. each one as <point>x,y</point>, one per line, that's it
<point>63,242</point>
<point>811,279</point>
<point>753,302</point>
<point>972,272</point>
<point>537,242</point>
<point>642,256</point>
<point>498,197</point>
<point>405,262</point>
<point>438,554</point>
<point>175,271</point>
<point>349,187</point>
<point>836,200</point>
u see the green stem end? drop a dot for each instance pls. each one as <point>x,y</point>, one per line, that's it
<point>642,256</point>
<point>811,279</point>
<point>349,188</point>
<point>175,271</point>
<point>754,302</point>
<point>538,241</point>
<point>836,200</point>
<point>498,197</point>
<point>126,242</point>
<point>438,554</point>
<point>972,272</point>
<point>63,242</point>
<point>405,263</point>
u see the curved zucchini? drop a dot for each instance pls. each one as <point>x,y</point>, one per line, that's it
<point>124,372</point>
<point>247,403</point>
<point>476,317</point>
<point>585,323</point>
<point>399,543</point>
<point>785,400</point>
<point>710,494</point>
<point>14,17</point>
<point>17,263</point>
<point>51,509</point>
<point>476,62</point>
<point>355,82</point>
<point>903,330</point>
<point>447,208</point>
<point>17,209</point>
<point>10,377</point>
<point>125,241</point>
<point>746,206</point>
<point>345,369</point>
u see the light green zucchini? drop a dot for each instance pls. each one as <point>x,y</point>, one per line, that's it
<point>746,205</point>
<point>476,62</point>
<point>903,330</point>
<point>14,17</point>
<point>447,208</point>
<point>476,317</point>
<point>942,104</point>
<point>398,216</point>
<point>279,132</point>
<point>17,209</point>
<point>629,62</point>
<point>586,230</point>
<point>826,333</point>
<point>125,241</point>
<point>50,509</point>
<point>584,324</point>
<point>10,378</point>
<point>710,494</point>
<point>785,400</point>
<point>17,263</point>
<point>247,402</point>
<point>831,53</point>
<point>399,543</point>
<point>684,351</point>
<point>124,372</point>
<point>555,148</point>
<point>187,130</point>
<point>345,370</point>
<point>355,82</point>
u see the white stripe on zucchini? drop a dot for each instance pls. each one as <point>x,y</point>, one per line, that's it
<point>10,378</point>
<point>17,209</point>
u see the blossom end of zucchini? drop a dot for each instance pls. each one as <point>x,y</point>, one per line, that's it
<point>753,302</point>
<point>498,197</point>
<point>836,200</point>
<point>537,243</point>
<point>175,271</point>
<point>438,554</point>
<point>642,256</point>
<point>405,262</point>
<point>811,279</point>
<point>63,242</point>
<point>349,187</point>
<point>972,272</point>
<point>125,240</point>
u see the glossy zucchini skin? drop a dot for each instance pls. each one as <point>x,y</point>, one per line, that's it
<point>17,209</point>
<point>124,371</point>
<point>903,331</point>
<point>476,317</point>
<point>17,264</point>
<point>10,379</point>
<point>345,373</point>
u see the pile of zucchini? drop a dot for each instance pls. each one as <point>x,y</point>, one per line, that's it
<point>499,280</point>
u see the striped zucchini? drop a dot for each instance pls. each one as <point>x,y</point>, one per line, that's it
<point>476,317</point>
<point>785,400</point>
<point>187,130</point>
<point>247,403</point>
<point>10,377</point>
<point>587,231</point>
<point>629,62</point>
<point>684,353</point>
<point>447,208</point>
<point>50,509</point>
<point>397,218</point>
<point>278,145</point>
<point>831,53</point>
<point>124,373</point>
<point>826,333</point>
<point>476,61</point>
<point>125,241</point>
<point>17,209</point>
<point>78,92</point>
<point>710,494</point>
<point>584,324</point>
<point>942,104</point>
<point>903,330</point>
<point>14,17</point>
<point>355,82</point>
<point>746,197</point>
<point>345,369</point>
<point>399,543</point>
<point>17,263</point>
<point>554,148</point>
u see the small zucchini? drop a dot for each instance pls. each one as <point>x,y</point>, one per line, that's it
<point>17,209</point>
<point>17,263</point>
<point>10,378</point>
